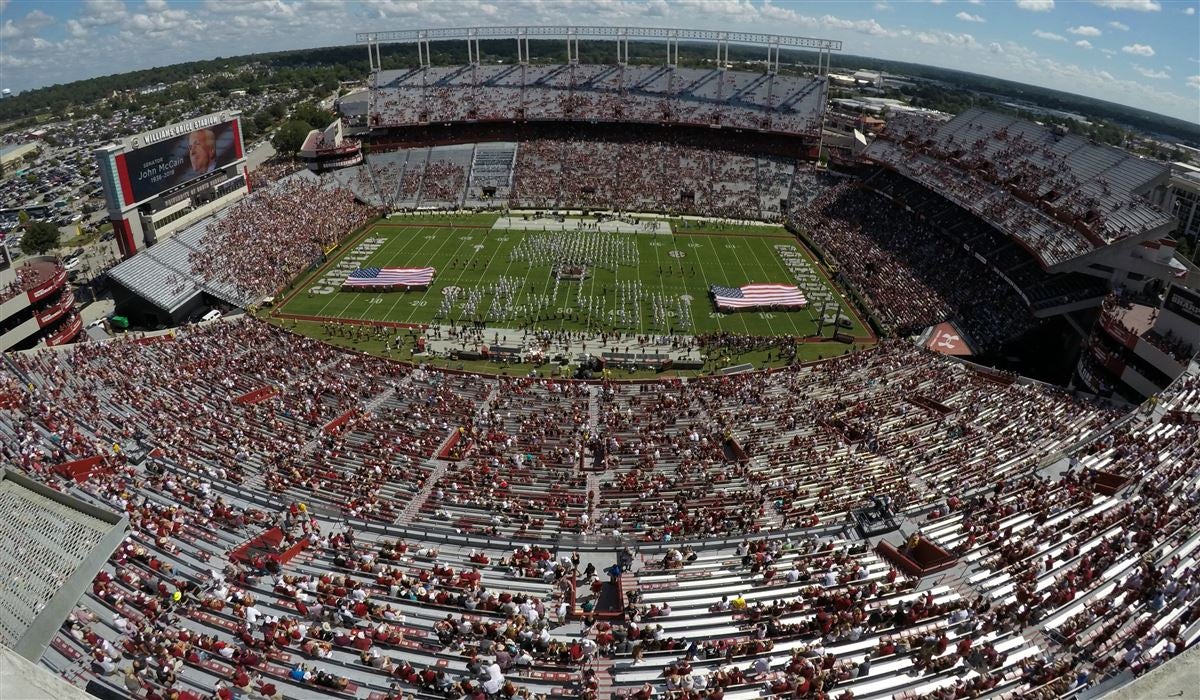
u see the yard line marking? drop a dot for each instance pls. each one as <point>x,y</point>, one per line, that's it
<point>463,269</point>
<point>725,280</point>
<point>700,298</point>
<point>462,239</point>
<point>392,257</point>
<point>787,277</point>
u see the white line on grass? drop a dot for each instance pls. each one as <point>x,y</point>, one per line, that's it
<point>350,297</point>
<point>745,325</point>
<point>488,264</point>
<point>707,309</point>
<point>463,239</point>
<point>786,277</point>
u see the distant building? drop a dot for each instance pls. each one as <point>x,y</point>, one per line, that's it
<point>151,89</point>
<point>13,156</point>
<point>1184,200</point>
<point>869,78</point>
<point>859,79</point>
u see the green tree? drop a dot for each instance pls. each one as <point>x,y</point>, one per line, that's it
<point>39,238</point>
<point>262,120</point>
<point>312,114</point>
<point>290,137</point>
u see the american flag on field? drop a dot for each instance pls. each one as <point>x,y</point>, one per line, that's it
<point>390,277</point>
<point>753,296</point>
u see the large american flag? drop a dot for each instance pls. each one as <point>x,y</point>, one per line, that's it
<point>390,277</point>
<point>753,296</point>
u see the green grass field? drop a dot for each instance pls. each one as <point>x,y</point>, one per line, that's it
<point>635,282</point>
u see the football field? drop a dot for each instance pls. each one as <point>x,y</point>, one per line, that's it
<point>644,283</point>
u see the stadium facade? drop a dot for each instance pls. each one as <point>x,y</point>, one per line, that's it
<point>37,304</point>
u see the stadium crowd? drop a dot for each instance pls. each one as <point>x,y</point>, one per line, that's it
<point>648,94</point>
<point>27,276</point>
<point>308,522</point>
<point>912,275</point>
<point>206,464</point>
<point>263,242</point>
<point>649,176</point>
<point>1095,191</point>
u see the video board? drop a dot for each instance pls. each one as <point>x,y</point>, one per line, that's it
<point>189,151</point>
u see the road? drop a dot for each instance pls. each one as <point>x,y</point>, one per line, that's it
<point>256,155</point>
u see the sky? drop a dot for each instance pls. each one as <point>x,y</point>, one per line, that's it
<point>1142,53</point>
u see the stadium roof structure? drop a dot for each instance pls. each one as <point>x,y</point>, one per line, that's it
<point>773,43</point>
<point>164,274</point>
<point>1060,196</point>
<point>51,546</point>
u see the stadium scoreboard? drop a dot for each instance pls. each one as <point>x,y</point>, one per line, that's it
<point>166,178</point>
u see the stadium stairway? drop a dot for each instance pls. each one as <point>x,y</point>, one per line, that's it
<point>413,507</point>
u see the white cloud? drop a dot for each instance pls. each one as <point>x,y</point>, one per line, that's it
<point>1193,81</point>
<point>1108,52</point>
<point>27,25</point>
<point>968,17</point>
<point>1119,26</point>
<point>862,26</point>
<point>1139,50</point>
<point>269,8</point>
<point>1085,30</point>
<point>1136,5</point>
<point>1153,74</point>
<point>775,12</point>
<point>75,29</point>
<point>99,13</point>
<point>940,38</point>
<point>1036,5</point>
<point>9,61</point>
<point>1048,36</point>
<point>1084,44</point>
<point>36,20</point>
<point>882,7</point>
<point>1189,11</point>
<point>995,47</point>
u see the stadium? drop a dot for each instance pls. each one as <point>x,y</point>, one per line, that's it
<point>567,380</point>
